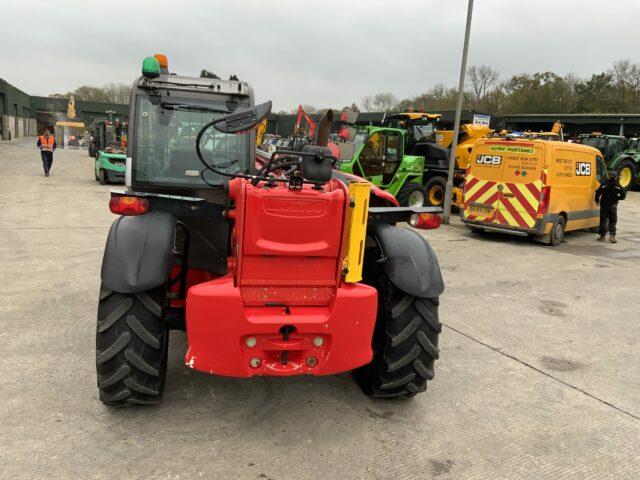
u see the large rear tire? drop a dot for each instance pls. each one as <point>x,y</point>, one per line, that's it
<point>412,195</point>
<point>626,174</point>
<point>131,347</point>
<point>405,342</point>
<point>436,188</point>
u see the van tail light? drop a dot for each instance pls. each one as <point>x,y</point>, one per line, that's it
<point>543,207</point>
<point>425,221</point>
<point>467,171</point>
<point>126,205</point>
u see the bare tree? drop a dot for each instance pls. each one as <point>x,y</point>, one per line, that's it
<point>117,92</point>
<point>380,102</point>
<point>385,102</point>
<point>309,108</point>
<point>482,79</point>
<point>367,103</point>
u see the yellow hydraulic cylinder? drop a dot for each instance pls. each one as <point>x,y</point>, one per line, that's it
<point>358,214</point>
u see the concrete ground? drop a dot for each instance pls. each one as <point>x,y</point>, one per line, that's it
<point>539,374</point>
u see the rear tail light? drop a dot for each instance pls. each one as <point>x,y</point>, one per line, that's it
<point>467,170</point>
<point>425,221</point>
<point>125,205</point>
<point>544,201</point>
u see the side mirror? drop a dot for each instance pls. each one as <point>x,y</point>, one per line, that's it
<point>347,150</point>
<point>241,122</point>
<point>349,116</point>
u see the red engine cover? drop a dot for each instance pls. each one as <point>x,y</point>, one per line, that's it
<point>289,243</point>
<point>285,276</point>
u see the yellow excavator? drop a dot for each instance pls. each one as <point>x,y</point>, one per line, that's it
<point>468,135</point>
<point>556,134</point>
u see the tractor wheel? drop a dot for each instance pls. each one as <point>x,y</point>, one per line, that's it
<point>131,347</point>
<point>557,231</point>
<point>626,173</point>
<point>405,343</point>
<point>436,187</point>
<point>102,177</point>
<point>412,195</point>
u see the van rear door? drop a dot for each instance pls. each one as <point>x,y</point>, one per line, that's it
<point>481,193</point>
<point>521,186</point>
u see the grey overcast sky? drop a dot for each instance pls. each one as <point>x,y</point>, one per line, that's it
<point>323,53</point>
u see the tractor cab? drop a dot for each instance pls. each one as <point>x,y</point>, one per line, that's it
<point>620,155</point>
<point>609,145</point>
<point>420,128</point>
<point>168,111</point>
<point>378,154</point>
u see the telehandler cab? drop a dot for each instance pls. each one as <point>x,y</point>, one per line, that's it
<point>287,270</point>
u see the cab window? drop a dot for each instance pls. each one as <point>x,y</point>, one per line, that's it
<point>616,146</point>
<point>372,154</point>
<point>601,169</point>
<point>392,156</point>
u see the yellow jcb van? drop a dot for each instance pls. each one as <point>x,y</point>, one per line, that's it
<point>532,187</point>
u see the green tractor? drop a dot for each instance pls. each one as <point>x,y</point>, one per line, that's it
<point>620,154</point>
<point>627,164</point>
<point>405,157</point>
<point>378,154</point>
<point>108,147</point>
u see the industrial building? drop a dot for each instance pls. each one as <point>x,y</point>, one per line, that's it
<point>576,123</point>
<point>24,115</point>
<point>17,119</point>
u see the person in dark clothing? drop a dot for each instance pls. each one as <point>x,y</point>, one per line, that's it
<point>47,145</point>
<point>607,197</point>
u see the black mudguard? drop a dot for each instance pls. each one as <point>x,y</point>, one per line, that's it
<point>411,263</point>
<point>139,252</point>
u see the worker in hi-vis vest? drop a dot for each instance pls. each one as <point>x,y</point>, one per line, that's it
<point>46,144</point>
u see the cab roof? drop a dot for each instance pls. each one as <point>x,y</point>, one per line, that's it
<point>208,85</point>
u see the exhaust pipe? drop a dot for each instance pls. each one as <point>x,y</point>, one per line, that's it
<point>322,138</point>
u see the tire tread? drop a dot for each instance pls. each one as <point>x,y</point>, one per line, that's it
<point>405,342</point>
<point>131,347</point>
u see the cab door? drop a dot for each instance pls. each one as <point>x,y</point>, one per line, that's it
<point>372,158</point>
<point>392,156</point>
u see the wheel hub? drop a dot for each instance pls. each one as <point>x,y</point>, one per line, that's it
<point>436,195</point>
<point>416,199</point>
<point>625,176</point>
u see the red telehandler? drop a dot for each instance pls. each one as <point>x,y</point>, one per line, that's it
<point>288,269</point>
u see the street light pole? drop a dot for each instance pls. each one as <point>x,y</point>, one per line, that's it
<point>456,126</point>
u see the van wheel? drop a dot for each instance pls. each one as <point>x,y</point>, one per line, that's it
<point>436,188</point>
<point>476,230</point>
<point>557,231</point>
